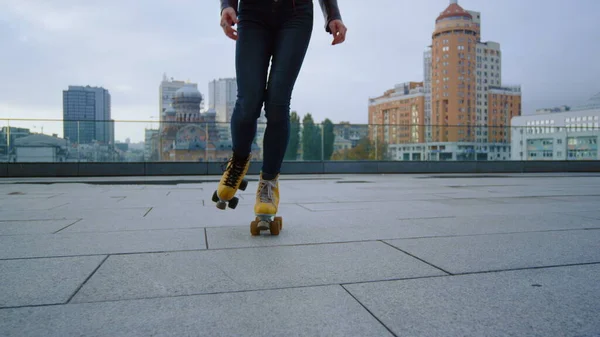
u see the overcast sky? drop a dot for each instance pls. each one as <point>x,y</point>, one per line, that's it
<point>549,47</point>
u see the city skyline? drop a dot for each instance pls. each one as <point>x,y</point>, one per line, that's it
<point>336,82</point>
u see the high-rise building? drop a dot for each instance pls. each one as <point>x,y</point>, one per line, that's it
<point>151,144</point>
<point>87,115</point>
<point>222,94</point>
<point>167,90</point>
<point>503,103</point>
<point>397,116</point>
<point>465,74</point>
<point>427,85</point>
<point>453,81</point>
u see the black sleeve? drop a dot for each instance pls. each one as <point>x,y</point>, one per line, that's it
<point>229,3</point>
<point>330,10</point>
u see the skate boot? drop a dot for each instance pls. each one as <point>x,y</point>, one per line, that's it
<point>231,181</point>
<point>267,202</point>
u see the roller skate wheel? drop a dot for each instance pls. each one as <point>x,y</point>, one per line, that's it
<point>221,205</point>
<point>243,185</point>
<point>234,202</point>
<point>275,227</point>
<point>280,220</point>
<point>215,197</point>
<point>254,228</point>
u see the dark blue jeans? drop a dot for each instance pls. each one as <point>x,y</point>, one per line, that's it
<point>268,30</point>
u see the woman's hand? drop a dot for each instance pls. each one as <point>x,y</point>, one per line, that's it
<point>228,19</point>
<point>338,29</point>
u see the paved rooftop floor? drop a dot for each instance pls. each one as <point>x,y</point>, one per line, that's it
<point>359,255</point>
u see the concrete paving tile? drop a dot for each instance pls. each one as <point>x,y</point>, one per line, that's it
<point>469,202</point>
<point>88,204</point>
<point>467,194</point>
<point>365,206</point>
<point>479,253</point>
<point>325,229</point>
<point>73,211</point>
<point>43,281</point>
<point>97,225</point>
<point>192,217</point>
<point>23,246</point>
<point>549,302</point>
<point>187,273</point>
<point>579,198</point>
<point>316,311</point>
<point>526,200</point>
<point>590,214</point>
<point>33,227</point>
<point>210,216</point>
<point>23,191</point>
<point>484,224</point>
<point>12,215</point>
<point>544,206</point>
<point>385,196</point>
<point>29,204</point>
<point>6,196</point>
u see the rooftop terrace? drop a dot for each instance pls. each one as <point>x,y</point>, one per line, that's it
<point>359,255</point>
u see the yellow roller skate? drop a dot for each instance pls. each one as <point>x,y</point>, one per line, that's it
<point>267,202</point>
<point>231,181</point>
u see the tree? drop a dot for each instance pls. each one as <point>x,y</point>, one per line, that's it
<point>291,152</point>
<point>311,139</point>
<point>328,139</point>
<point>364,150</point>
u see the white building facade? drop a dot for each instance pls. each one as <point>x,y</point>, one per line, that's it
<point>222,94</point>
<point>449,151</point>
<point>564,135</point>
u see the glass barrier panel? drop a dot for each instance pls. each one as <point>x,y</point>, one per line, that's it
<point>31,141</point>
<point>196,140</point>
<point>351,142</point>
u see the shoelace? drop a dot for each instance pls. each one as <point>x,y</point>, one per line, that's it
<point>235,172</point>
<point>266,191</point>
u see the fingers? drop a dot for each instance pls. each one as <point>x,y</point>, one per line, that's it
<point>339,33</point>
<point>338,30</point>
<point>228,19</point>
<point>230,32</point>
<point>233,18</point>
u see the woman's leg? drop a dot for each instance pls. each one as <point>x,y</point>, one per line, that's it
<point>254,48</point>
<point>291,42</point>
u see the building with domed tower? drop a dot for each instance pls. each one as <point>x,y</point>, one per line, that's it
<point>467,109</point>
<point>187,134</point>
<point>468,101</point>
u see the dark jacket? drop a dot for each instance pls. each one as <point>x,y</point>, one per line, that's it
<point>330,10</point>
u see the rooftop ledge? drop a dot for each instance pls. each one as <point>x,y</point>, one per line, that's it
<point>292,167</point>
